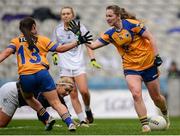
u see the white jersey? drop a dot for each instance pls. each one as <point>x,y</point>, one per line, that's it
<point>72,59</point>
<point>9,98</point>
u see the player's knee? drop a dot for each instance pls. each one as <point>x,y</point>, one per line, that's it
<point>137,96</point>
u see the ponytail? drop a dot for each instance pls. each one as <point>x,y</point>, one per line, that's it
<point>121,12</point>
<point>26,27</point>
<point>126,15</point>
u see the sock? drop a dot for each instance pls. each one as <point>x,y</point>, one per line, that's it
<point>67,119</point>
<point>43,115</point>
<point>87,108</point>
<point>81,116</point>
<point>144,120</point>
<point>164,112</point>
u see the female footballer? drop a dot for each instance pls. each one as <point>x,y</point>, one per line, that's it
<point>140,58</point>
<point>31,50</point>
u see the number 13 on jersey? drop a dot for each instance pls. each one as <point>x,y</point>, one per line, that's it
<point>34,58</point>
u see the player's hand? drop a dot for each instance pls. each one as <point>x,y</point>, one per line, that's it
<point>158,61</point>
<point>55,58</point>
<point>75,28</point>
<point>84,39</point>
<point>94,63</point>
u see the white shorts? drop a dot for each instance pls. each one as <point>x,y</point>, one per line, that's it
<point>9,99</point>
<point>72,73</point>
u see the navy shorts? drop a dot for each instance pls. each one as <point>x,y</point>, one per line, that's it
<point>147,75</point>
<point>38,82</point>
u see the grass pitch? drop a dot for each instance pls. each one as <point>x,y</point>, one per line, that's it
<point>99,127</point>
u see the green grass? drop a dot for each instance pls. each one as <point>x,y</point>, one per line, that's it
<point>99,127</point>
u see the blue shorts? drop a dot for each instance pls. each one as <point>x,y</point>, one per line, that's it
<point>147,75</point>
<point>38,82</point>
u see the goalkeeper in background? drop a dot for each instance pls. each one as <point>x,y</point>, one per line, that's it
<point>72,64</point>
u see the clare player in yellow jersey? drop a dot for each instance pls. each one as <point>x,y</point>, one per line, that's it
<point>31,50</point>
<point>140,58</point>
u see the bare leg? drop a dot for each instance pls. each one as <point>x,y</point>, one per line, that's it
<point>4,119</point>
<point>54,101</point>
<point>159,100</point>
<point>154,91</point>
<point>134,84</point>
<point>31,101</point>
<point>52,97</point>
<point>81,82</point>
<point>75,101</point>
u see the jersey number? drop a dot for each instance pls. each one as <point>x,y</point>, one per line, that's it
<point>34,53</point>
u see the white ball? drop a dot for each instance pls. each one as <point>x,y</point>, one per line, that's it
<point>157,123</point>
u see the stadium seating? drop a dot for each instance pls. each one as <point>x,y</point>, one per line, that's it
<point>158,15</point>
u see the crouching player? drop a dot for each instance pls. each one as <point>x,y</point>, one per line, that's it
<point>11,99</point>
<point>64,86</point>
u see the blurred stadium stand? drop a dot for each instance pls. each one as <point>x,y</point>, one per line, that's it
<point>159,16</point>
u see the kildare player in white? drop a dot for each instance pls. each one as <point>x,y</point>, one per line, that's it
<point>72,64</point>
<point>11,99</point>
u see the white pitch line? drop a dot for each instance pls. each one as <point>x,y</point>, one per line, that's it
<point>20,127</point>
<point>23,127</point>
<point>57,125</point>
<point>93,124</point>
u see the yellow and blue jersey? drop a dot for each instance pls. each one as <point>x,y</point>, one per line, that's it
<point>136,51</point>
<point>30,62</point>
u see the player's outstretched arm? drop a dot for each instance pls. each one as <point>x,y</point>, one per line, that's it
<point>75,28</point>
<point>87,38</point>
<point>5,53</point>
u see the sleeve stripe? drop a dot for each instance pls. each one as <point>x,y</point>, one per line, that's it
<point>142,31</point>
<point>13,42</point>
<point>12,47</point>
<point>54,47</point>
<point>103,41</point>
<point>49,43</point>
